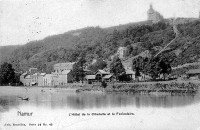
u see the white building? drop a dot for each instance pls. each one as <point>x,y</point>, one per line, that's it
<point>62,74</point>
<point>153,15</point>
<point>121,52</point>
<point>41,79</point>
<point>48,80</point>
<point>63,78</point>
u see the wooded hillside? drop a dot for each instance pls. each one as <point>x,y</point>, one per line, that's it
<point>96,42</point>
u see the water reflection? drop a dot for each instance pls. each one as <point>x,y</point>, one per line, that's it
<point>60,99</point>
<point>103,101</point>
<point>7,102</point>
<point>54,106</point>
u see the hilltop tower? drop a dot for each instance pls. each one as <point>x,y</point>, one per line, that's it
<point>150,12</point>
<point>153,15</point>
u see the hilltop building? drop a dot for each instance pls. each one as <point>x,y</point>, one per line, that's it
<point>153,15</point>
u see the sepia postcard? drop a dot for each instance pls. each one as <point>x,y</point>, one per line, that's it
<point>99,64</point>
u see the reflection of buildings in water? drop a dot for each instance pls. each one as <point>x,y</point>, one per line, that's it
<point>50,100</point>
<point>94,101</point>
<point>85,101</point>
<point>8,102</point>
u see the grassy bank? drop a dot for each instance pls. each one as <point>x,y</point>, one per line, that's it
<point>172,88</point>
<point>146,88</point>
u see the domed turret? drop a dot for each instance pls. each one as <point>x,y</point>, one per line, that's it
<point>153,15</point>
<point>151,10</point>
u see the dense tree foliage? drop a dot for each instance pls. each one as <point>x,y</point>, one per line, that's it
<point>96,42</point>
<point>153,67</point>
<point>99,64</point>
<point>78,69</point>
<point>7,74</point>
<point>117,68</point>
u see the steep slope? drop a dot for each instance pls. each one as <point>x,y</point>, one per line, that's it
<point>60,48</point>
<point>6,51</point>
<point>183,49</point>
<point>93,42</point>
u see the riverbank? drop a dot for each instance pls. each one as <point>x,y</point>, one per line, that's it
<point>161,87</point>
<point>172,88</point>
<point>166,87</point>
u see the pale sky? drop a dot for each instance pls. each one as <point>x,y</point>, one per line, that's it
<point>26,20</point>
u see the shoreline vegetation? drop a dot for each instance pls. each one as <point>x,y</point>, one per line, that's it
<point>163,88</point>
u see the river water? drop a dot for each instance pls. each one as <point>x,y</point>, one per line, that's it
<point>62,109</point>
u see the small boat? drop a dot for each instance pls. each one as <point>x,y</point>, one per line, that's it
<point>23,98</point>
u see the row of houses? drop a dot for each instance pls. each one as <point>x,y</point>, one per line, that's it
<point>61,75</point>
<point>102,75</point>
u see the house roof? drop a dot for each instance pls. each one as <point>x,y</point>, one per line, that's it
<point>103,72</point>
<point>130,72</point>
<point>86,70</point>
<point>24,73</point>
<point>107,76</point>
<point>66,71</point>
<point>193,71</point>
<point>122,48</point>
<point>32,68</point>
<point>48,75</point>
<point>42,74</point>
<point>33,82</point>
<point>36,74</point>
<point>28,77</point>
<point>90,76</point>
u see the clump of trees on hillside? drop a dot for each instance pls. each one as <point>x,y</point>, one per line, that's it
<point>154,67</point>
<point>117,68</point>
<point>94,42</point>
<point>99,64</point>
<point>8,75</point>
<point>103,43</point>
<point>78,70</point>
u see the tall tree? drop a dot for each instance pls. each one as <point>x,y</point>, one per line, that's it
<point>165,67</point>
<point>116,67</point>
<point>129,50</point>
<point>7,74</point>
<point>153,67</point>
<point>126,42</point>
<point>78,72</point>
